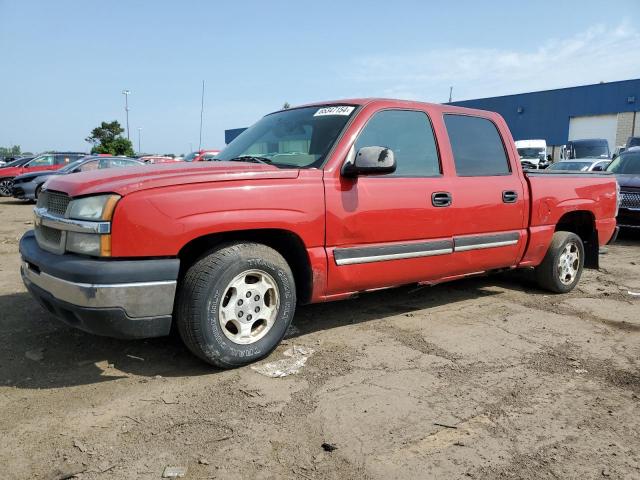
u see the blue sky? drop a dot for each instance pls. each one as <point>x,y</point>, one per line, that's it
<point>65,63</point>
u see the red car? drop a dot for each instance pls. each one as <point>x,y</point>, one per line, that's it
<point>46,161</point>
<point>310,204</point>
<point>201,155</point>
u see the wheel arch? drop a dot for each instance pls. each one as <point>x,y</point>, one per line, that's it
<point>583,224</point>
<point>285,242</point>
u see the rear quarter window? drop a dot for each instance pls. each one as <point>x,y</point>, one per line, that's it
<point>478,150</point>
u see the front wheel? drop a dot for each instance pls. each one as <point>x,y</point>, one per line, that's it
<point>6,185</point>
<point>235,304</point>
<point>562,266</point>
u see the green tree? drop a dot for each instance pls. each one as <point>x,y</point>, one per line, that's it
<point>10,151</point>
<point>107,138</point>
<point>286,106</point>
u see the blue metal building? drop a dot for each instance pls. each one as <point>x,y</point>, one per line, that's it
<point>603,110</point>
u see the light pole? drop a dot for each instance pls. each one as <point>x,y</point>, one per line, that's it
<point>139,135</point>
<point>126,94</point>
<point>201,112</point>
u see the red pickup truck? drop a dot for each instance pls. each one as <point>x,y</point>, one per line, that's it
<point>310,204</point>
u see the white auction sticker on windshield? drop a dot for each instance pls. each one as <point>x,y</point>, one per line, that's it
<point>335,110</point>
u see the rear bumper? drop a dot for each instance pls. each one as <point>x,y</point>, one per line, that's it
<point>116,298</point>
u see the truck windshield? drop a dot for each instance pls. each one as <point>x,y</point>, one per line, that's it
<point>295,138</point>
<point>531,153</point>
<point>633,142</point>
<point>590,150</point>
<point>626,164</point>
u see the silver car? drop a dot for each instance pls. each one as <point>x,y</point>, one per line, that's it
<point>580,165</point>
<point>28,185</point>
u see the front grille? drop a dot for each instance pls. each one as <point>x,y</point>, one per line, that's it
<point>629,200</point>
<point>50,235</point>
<point>56,203</point>
<point>50,239</point>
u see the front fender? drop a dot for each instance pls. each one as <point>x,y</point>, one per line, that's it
<point>159,222</point>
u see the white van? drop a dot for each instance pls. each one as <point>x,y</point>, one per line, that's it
<point>533,153</point>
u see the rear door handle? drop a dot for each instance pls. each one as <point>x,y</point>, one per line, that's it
<point>509,196</point>
<point>441,199</point>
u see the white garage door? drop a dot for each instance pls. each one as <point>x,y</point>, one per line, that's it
<point>595,126</point>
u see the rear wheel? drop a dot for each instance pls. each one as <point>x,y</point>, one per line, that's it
<point>562,266</point>
<point>6,184</point>
<point>37,192</point>
<point>235,304</point>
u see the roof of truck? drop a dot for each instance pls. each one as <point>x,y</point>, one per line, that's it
<point>398,102</point>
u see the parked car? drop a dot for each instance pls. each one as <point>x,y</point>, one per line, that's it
<point>590,165</point>
<point>627,170</point>
<point>158,159</point>
<point>347,197</point>
<point>46,161</point>
<point>587,148</point>
<point>533,153</point>
<point>28,185</point>
<point>16,163</point>
<point>632,142</point>
<point>201,155</point>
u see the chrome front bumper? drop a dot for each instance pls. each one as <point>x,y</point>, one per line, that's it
<point>139,299</point>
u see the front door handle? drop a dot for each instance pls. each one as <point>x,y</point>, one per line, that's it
<point>509,196</point>
<point>441,199</point>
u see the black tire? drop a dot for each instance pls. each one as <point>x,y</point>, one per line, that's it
<point>37,192</point>
<point>549,273</point>
<point>204,289</point>
<point>5,187</point>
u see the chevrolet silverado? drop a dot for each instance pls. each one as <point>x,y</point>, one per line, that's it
<point>310,204</point>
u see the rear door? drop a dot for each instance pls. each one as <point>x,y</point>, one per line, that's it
<point>489,198</point>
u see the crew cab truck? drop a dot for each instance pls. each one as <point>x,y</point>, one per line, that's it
<point>310,204</point>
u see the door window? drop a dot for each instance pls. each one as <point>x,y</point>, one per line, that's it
<point>117,163</point>
<point>477,147</point>
<point>42,161</point>
<point>89,166</point>
<point>62,159</point>
<point>409,134</point>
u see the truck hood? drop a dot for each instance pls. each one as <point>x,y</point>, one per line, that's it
<point>632,181</point>
<point>124,181</point>
<point>26,177</point>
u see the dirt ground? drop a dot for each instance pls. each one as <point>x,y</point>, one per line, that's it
<point>486,378</point>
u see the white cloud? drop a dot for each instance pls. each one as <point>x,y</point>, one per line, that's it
<point>597,54</point>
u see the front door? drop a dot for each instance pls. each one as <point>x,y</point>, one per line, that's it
<point>384,230</point>
<point>42,162</point>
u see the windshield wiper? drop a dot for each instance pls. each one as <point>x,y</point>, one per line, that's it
<point>251,158</point>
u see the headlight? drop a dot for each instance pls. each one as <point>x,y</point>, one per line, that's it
<point>99,207</point>
<point>84,243</point>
